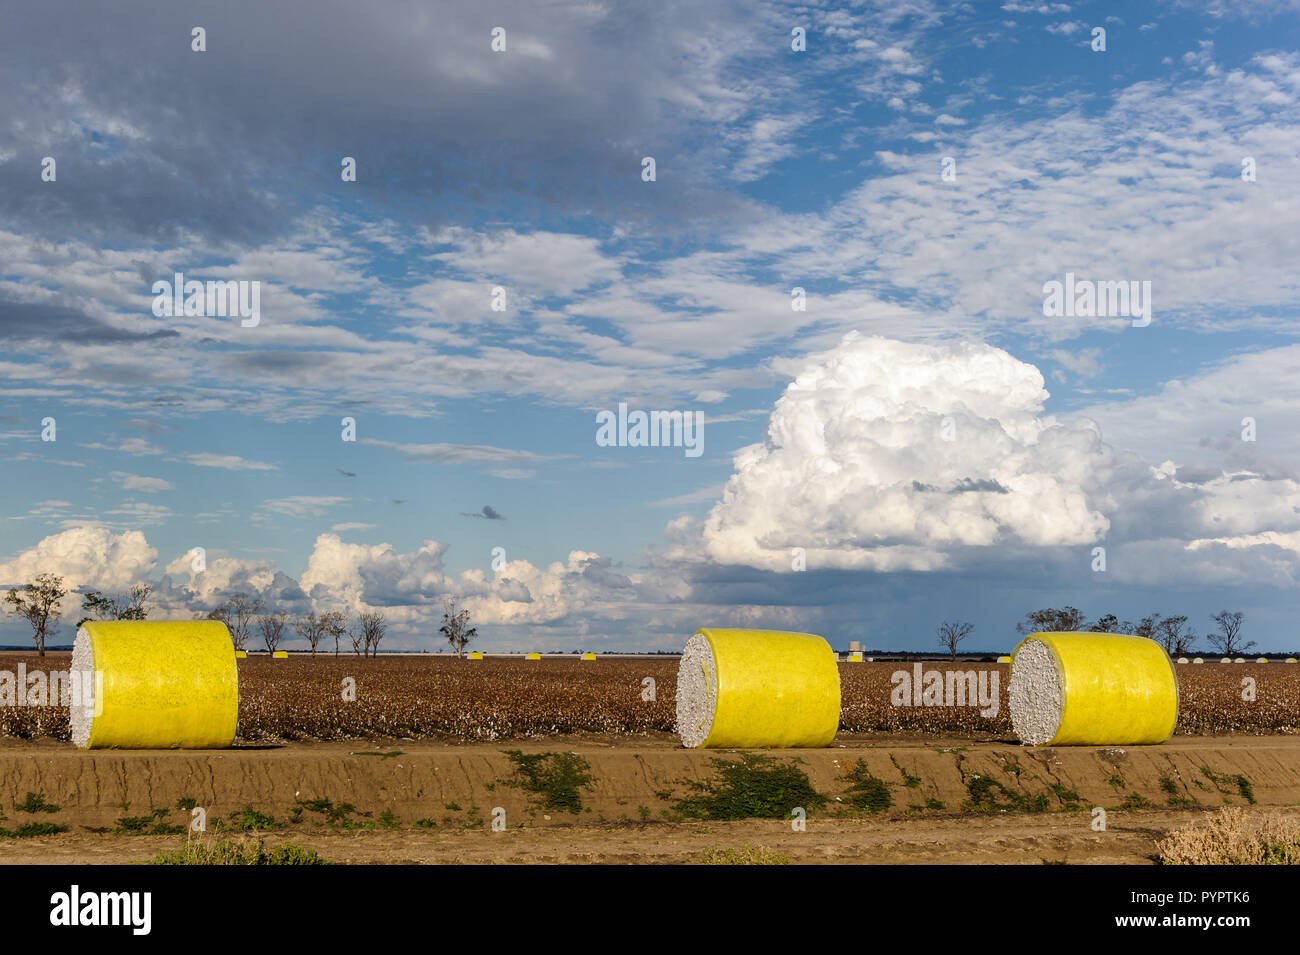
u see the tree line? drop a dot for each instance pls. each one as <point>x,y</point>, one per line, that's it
<point>39,603</point>
<point>1172,632</point>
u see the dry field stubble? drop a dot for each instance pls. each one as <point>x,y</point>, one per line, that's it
<point>503,698</point>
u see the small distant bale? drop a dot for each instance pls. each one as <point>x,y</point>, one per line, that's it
<point>241,654</point>
<point>1183,660</point>
<point>533,656</point>
<point>589,656</point>
<point>280,655</point>
<point>1197,660</point>
<point>855,658</point>
<point>475,655</point>
<point>1004,659</point>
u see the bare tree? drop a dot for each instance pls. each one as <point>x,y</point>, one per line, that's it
<point>334,623</point>
<point>1228,640</point>
<point>128,607</point>
<point>238,614</point>
<point>952,633</point>
<point>38,604</point>
<point>272,627</point>
<point>1175,636</point>
<point>455,624</point>
<point>311,628</point>
<point>373,626</point>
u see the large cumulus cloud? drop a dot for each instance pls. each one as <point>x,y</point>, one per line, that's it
<point>887,455</point>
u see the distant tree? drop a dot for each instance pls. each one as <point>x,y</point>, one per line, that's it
<point>238,613</point>
<point>311,628</point>
<point>1051,620</point>
<point>1106,624</point>
<point>128,607</point>
<point>1147,626</point>
<point>1228,640</point>
<point>952,633</point>
<point>272,627</point>
<point>1175,636</point>
<point>38,604</point>
<point>372,626</point>
<point>334,623</point>
<point>455,625</point>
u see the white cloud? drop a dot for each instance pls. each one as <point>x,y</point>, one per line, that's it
<point>91,557</point>
<point>229,462</point>
<point>302,505</point>
<point>137,482</point>
<point>855,467</point>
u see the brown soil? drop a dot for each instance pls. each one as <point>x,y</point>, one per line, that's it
<point>627,812</point>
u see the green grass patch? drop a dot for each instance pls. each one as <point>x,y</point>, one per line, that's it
<point>985,794</point>
<point>29,830</point>
<point>1239,782</point>
<point>247,820</point>
<point>752,786</point>
<point>553,780</point>
<point>153,824</point>
<point>35,802</point>
<point>867,792</point>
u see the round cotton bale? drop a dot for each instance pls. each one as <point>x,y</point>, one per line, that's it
<point>534,656</point>
<point>1092,689</point>
<point>1262,660</point>
<point>589,656</point>
<point>241,654</point>
<point>1004,659</point>
<point>280,655</point>
<point>1226,660</point>
<point>1183,660</point>
<point>1239,660</point>
<point>157,685</point>
<point>757,689</point>
<point>855,658</point>
<point>475,655</point>
<point>1291,660</point>
<point>1197,660</point>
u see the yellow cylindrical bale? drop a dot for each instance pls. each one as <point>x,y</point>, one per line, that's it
<point>757,689</point>
<point>534,656</point>
<point>1092,689</point>
<point>157,685</point>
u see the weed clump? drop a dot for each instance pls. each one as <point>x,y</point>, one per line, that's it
<point>867,792</point>
<point>751,787</point>
<point>554,780</point>
<point>232,852</point>
<point>746,855</point>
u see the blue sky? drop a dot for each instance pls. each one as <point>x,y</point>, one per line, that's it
<point>824,429</point>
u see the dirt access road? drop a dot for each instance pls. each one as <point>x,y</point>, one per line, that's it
<point>948,800</point>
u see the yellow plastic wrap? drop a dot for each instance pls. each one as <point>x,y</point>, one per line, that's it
<point>769,688</point>
<point>1116,689</point>
<point>164,685</point>
<point>534,656</point>
<point>589,656</point>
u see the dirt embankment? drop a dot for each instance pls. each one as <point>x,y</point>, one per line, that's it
<point>943,800</point>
